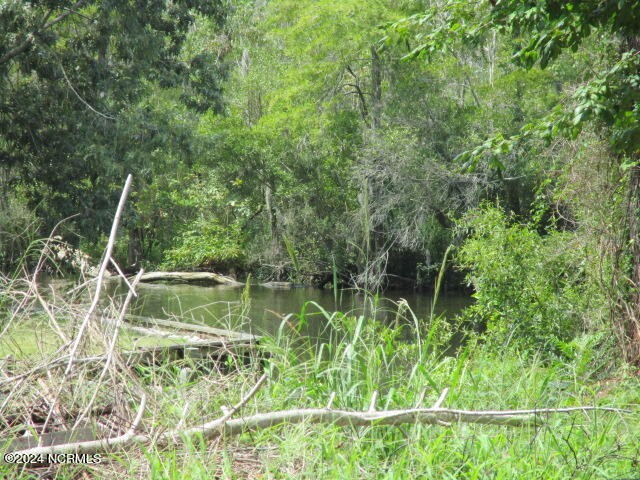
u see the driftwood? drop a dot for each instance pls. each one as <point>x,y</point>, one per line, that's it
<point>278,285</point>
<point>209,277</point>
<point>192,327</point>
<point>228,426</point>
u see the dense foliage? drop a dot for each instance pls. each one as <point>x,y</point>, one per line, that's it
<point>293,140</point>
<point>492,145</point>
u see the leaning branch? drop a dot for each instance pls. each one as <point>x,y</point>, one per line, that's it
<point>75,345</point>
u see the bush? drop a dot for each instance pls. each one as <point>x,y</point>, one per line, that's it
<point>531,291</point>
<point>206,244</point>
<point>18,229</point>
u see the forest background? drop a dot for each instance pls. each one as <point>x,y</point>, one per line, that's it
<point>490,145</point>
<point>308,141</point>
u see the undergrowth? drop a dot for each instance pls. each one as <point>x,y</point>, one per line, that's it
<point>362,357</point>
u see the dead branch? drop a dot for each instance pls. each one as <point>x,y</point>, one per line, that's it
<point>129,438</point>
<point>226,426</point>
<point>112,345</point>
<point>155,323</point>
<point>191,277</point>
<point>426,416</point>
<point>94,446</point>
<point>103,268</point>
<point>96,296</point>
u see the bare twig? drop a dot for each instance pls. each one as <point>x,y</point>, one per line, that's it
<point>441,398</point>
<point>94,446</point>
<point>372,404</point>
<point>332,397</point>
<point>124,277</point>
<point>112,346</point>
<point>100,277</point>
<point>96,296</point>
<point>84,102</point>
<point>438,404</point>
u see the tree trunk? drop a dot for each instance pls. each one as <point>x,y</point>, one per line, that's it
<point>632,322</point>
<point>376,88</point>
<point>134,250</point>
<point>632,326</point>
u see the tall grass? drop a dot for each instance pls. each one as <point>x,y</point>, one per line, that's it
<point>400,361</point>
<point>363,357</point>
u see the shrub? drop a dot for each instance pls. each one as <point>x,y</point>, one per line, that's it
<point>206,244</point>
<point>531,290</point>
<point>18,229</point>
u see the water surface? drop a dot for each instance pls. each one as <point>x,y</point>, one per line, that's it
<point>222,306</point>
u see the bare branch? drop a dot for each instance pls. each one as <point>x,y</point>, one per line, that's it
<point>96,296</point>
<point>84,102</point>
<point>372,404</point>
<point>93,446</point>
<point>332,397</point>
<point>225,426</point>
<point>441,398</point>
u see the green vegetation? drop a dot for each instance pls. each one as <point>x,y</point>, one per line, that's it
<point>529,289</point>
<point>362,357</point>
<point>414,143</point>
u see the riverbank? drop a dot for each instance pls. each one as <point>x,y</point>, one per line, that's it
<point>367,366</point>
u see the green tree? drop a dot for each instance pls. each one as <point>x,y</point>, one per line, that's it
<point>73,83</point>
<point>609,98</point>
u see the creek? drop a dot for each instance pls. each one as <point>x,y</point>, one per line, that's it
<point>222,306</point>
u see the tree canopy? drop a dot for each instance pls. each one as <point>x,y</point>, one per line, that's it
<point>297,140</point>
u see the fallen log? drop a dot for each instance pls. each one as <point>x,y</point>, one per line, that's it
<point>194,349</point>
<point>77,435</point>
<point>187,277</point>
<point>192,327</point>
<point>277,285</point>
<point>232,427</point>
<point>227,426</point>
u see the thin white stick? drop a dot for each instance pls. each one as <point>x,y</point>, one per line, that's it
<point>332,397</point>
<point>441,398</point>
<point>372,404</point>
<point>421,397</point>
<point>96,297</point>
<point>183,416</point>
<point>81,286</point>
<point>101,272</point>
<point>123,276</point>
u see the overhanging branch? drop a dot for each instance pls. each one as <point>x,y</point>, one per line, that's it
<point>31,36</point>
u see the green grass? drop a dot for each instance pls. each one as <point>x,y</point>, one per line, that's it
<point>34,338</point>
<point>364,356</point>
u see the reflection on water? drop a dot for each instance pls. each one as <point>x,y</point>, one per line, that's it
<point>221,306</point>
